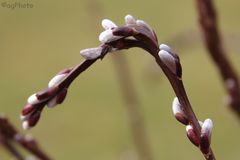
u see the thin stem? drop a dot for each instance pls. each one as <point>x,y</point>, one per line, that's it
<point>213,41</point>
<point>78,69</point>
<point>183,98</point>
<point>180,92</point>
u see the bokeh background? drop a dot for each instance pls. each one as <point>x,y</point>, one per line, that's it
<point>92,123</point>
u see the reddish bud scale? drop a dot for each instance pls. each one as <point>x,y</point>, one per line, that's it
<point>61,96</point>
<point>28,109</point>
<point>33,119</point>
<point>47,93</point>
<point>178,69</point>
<point>123,31</point>
<point>192,136</point>
<point>178,64</point>
<point>181,118</point>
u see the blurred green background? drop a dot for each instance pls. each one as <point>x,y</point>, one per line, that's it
<point>92,123</point>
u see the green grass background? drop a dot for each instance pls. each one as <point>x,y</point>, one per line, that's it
<point>92,123</point>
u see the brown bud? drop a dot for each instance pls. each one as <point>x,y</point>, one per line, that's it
<point>205,138</point>
<point>181,118</point>
<point>33,119</point>
<point>28,109</point>
<point>171,61</point>
<point>178,112</point>
<point>123,31</point>
<point>46,93</point>
<point>192,136</point>
<point>61,96</point>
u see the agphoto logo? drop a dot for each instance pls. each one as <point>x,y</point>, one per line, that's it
<point>17,5</point>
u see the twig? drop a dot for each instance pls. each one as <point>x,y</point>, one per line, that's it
<point>133,34</point>
<point>9,134</point>
<point>209,25</point>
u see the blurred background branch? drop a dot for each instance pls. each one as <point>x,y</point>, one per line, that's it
<point>136,120</point>
<point>213,41</point>
<point>9,135</point>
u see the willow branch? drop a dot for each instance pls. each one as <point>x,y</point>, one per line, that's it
<point>136,33</point>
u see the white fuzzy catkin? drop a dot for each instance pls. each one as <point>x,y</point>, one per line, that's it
<point>168,60</point>
<point>176,107</point>
<point>129,19</point>
<point>107,36</point>
<point>91,53</point>
<point>165,47</point>
<point>33,99</point>
<point>207,127</point>
<point>108,24</point>
<point>56,79</point>
<point>142,23</point>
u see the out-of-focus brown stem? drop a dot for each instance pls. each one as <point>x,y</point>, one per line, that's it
<point>32,146</point>
<point>133,107</point>
<point>9,134</point>
<point>10,148</point>
<point>209,25</point>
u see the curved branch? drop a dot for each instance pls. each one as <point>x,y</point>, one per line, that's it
<point>117,38</point>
